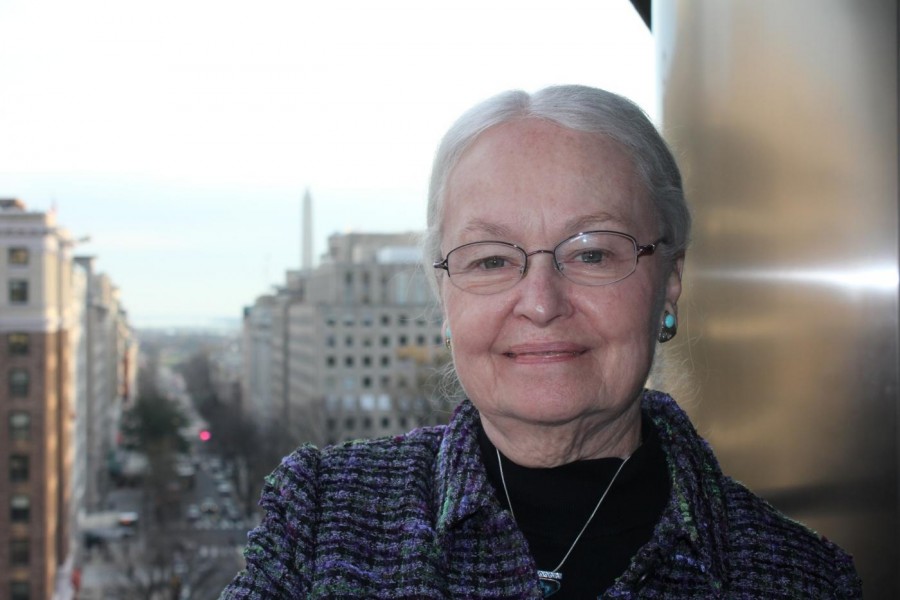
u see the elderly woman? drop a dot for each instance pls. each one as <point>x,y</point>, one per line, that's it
<point>557,228</point>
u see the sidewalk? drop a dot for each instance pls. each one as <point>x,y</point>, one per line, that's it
<point>100,573</point>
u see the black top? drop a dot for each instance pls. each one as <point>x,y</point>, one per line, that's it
<point>552,505</point>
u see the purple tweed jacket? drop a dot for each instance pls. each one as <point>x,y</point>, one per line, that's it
<point>415,516</point>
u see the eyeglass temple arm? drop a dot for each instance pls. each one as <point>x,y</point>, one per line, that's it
<point>649,248</point>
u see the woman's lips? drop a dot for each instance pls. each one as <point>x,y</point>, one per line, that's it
<point>545,352</point>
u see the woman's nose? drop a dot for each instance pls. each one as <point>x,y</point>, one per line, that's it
<point>543,291</point>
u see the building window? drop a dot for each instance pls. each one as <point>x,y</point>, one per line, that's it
<point>18,553</point>
<point>19,590</point>
<point>18,468</point>
<point>367,382</point>
<point>18,383</point>
<point>17,255</point>
<point>348,361</point>
<point>385,422</point>
<point>330,341</point>
<point>385,320</point>
<point>18,291</point>
<point>402,340</point>
<point>385,361</point>
<point>348,341</point>
<point>19,426</point>
<point>329,361</point>
<point>18,343</point>
<point>367,361</point>
<point>19,508</point>
<point>403,320</point>
<point>420,340</point>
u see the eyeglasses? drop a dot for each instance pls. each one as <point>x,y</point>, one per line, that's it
<point>590,258</point>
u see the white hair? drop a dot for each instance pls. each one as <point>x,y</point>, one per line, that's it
<point>579,108</point>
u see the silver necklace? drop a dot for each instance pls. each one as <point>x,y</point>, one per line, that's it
<point>551,581</point>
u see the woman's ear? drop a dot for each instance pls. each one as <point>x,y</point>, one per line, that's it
<point>673,286</point>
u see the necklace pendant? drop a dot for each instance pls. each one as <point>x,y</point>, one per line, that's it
<point>551,582</point>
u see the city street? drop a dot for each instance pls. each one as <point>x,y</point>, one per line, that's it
<point>205,544</point>
<point>191,554</point>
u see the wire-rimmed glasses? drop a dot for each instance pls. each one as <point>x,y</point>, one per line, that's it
<point>591,258</point>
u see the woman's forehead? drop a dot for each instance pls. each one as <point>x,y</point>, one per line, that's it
<point>501,227</point>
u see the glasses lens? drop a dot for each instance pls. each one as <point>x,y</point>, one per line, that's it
<point>485,268</point>
<point>597,258</point>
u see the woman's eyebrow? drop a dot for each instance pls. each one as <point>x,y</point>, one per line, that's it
<point>581,223</point>
<point>593,221</point>
<point>486,227</point>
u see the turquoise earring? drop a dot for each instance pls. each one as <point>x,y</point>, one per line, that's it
<point>447,338</point>
<point>669,328</point>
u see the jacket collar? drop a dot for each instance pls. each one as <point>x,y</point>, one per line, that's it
<point>461,481</point>
<point>696,512</point>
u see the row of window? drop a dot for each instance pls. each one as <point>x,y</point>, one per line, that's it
<point>402,340</point>
<point>368,320</point>
<point>365,361</point>
<point>349,383</point>
<point>366,423</point>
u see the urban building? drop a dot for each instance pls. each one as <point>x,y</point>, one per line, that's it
<point>65,349</point>
<point>256,348</point>
<point>350,348</point>
<point>36,400</point>
<point>106,383</point>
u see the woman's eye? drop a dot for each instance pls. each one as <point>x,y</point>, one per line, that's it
<point>492,262</point>
<point>592,256</point>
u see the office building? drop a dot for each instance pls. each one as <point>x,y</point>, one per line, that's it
<point>353,344</point>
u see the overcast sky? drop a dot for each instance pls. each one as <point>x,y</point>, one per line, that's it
<point>180,135</point>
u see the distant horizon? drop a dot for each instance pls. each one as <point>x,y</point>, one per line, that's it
<point>181,322</point>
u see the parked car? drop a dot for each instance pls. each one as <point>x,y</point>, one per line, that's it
<point>193,512</point>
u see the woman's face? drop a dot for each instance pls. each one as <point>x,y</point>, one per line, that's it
<point>549,351</point>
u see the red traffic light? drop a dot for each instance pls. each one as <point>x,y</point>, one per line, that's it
<point>205,435</point>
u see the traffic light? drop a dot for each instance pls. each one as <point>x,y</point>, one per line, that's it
<point>205,435</point>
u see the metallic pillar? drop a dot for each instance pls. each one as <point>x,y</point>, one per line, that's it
<point>783,116</point>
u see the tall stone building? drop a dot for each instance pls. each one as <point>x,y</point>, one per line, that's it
<point>49,364</point>
<point>352,344</point>
<point>36,400</point>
